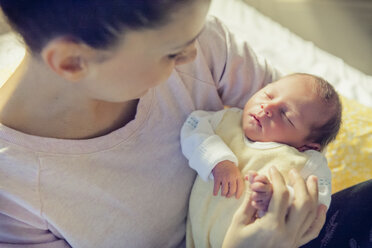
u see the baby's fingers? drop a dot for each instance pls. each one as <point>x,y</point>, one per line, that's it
<point>232,188</point>
<point>224,188</point>
<point>250,176</point>
<point>240,189</point>
<point>261,187</point>
<point>216,187</point>
<point>260,205</point>
<point>262,179</point>
<point>260,196</point>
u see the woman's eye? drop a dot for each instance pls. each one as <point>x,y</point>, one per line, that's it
<point>173,56</point>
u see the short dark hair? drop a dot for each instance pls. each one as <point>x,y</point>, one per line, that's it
<point>325,133</point>
<point>97,23</point>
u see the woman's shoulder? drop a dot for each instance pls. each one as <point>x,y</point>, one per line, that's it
<point>211,53</point>
<point>213,44</point>
<point>16,160</point>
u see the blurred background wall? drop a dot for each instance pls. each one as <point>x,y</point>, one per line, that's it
<point>3,26</point>
<point>340,27</point>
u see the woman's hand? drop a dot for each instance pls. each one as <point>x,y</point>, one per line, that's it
<point>284,225</point>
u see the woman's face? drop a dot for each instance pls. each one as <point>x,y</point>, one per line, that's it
<point>146,58</point>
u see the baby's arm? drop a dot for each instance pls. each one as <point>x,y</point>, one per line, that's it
<point>200,144</point>
<point>209,155</point>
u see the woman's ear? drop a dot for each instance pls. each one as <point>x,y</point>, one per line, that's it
<point>67,58</point>
<point>310,146</point>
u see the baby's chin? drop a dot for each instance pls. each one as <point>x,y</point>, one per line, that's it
<point>250,135</point>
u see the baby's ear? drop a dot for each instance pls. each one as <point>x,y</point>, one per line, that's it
<point>310,146</point>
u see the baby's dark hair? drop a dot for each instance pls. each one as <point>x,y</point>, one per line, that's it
<point>327,132</point>
<point>97,23</point>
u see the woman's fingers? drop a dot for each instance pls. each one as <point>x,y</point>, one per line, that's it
<point>302,213</point>
<point>280,198</point>
<point>314,221</point>
<point>312,186</point>
<point>315,228</point>
<point>299,185</point>
<point>246,213</point>
<point>280,228</point>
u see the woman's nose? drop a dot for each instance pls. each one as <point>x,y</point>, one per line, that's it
<point>188,56</point>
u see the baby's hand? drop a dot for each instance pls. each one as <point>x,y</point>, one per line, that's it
<point>227,175</point>
<point>261,192</point>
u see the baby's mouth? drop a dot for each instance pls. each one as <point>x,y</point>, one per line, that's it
<point>257,120</point>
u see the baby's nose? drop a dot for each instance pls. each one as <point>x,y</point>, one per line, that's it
<point>266,108</point>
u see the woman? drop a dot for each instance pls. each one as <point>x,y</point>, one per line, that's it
<point>90,152</point>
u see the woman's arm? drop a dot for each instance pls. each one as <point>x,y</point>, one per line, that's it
<point>18,234</point>
<point>284,225</point>
<point>237,70</point>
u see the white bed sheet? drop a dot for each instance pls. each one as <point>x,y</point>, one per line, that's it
<point>282,48</point>
<point>289,52</point>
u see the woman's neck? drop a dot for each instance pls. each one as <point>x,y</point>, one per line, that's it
<point>36,101</point>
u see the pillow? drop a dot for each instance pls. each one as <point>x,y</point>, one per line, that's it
<point>350,155</point>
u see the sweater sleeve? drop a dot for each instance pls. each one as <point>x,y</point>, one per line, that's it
<point>22,223</point>
<point>237,70</point>
<point>17,234</point>
<point>317,166</point>
<point>201,146</point>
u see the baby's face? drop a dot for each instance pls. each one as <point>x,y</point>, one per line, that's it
<point>283,112</point>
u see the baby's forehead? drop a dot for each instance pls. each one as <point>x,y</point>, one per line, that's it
<point>293,82</point>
